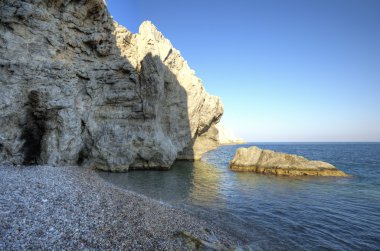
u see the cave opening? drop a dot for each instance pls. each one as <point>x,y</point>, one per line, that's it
<point>34,130</point>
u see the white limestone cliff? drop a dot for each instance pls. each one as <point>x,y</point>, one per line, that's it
<point>227,137</point>
<point>77,88</point>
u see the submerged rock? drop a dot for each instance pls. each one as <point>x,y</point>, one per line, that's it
<point>254,159</point>
<point>76,88</point>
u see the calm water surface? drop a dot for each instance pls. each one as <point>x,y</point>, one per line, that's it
<point>277,213</point>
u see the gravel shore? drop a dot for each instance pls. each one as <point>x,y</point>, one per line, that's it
<point>71,208</point>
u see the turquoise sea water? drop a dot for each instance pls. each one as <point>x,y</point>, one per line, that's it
<point>277,213</point>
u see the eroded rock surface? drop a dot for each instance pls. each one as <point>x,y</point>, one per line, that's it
<point>254,159</point>
<point>77,88</point>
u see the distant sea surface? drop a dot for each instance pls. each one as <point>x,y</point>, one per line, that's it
<point>277,213</point>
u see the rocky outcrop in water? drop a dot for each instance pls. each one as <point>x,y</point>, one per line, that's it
<point>227,137</point>
<point>254,159</point>
<point>77,88</point>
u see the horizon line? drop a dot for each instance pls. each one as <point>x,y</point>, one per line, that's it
<point>357,142</point>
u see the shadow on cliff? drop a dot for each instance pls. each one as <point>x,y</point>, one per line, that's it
<point>165,105</point>
<point>122,115</point>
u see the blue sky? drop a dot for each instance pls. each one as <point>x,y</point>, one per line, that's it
<point>290,71</point>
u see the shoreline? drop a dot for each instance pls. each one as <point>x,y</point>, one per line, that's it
<point>70,207</point>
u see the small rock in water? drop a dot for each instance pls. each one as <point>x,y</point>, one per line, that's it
<point>254,159</point>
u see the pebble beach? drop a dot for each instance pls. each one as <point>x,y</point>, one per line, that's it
<point>71,208</point>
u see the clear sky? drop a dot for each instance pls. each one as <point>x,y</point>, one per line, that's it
<point>293,70</point>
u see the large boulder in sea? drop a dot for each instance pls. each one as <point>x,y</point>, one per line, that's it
<point>254,159</point>
<point>76,88</point>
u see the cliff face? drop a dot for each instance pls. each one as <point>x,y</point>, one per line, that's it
<point>77,88</point>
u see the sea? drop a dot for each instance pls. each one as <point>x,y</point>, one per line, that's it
<point>272,212</point>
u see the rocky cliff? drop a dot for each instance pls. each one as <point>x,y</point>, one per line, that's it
<point>77,88</point>
<point>227,137</point>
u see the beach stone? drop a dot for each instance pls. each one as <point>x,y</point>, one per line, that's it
<point>76,88</point>
<point>254,159</point>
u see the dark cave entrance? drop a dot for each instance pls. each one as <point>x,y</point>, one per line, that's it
<point>33,130</point>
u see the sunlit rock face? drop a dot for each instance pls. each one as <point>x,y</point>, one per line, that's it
<point>77,88</point>
<point>227,137</point>
<point>254,159</point>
